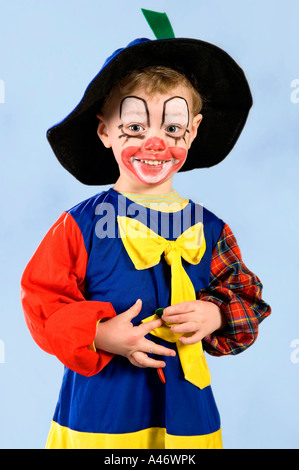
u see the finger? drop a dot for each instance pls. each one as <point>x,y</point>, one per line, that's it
<point>181,307</point>
<point>147,327</point>
<point>135,363</point>
<point>178,318</point>
<point>152,348</point>
<point>142,360</point>
<point>133,311</point>
<point>195,338</point>
<point>188,327</point>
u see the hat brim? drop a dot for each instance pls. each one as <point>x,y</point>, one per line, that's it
<point>221,81</point>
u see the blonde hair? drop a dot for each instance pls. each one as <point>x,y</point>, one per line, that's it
<point>156,79</point>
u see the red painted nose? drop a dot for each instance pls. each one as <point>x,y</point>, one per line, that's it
<point>154,143</point>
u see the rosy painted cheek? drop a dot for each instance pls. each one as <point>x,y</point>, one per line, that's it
<point>178,153</point>
<point>127,154</point>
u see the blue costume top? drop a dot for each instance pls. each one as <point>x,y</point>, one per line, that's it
<point>81,273</point>
<point>122,398</point>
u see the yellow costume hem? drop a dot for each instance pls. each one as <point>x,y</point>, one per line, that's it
<point>61,437</point>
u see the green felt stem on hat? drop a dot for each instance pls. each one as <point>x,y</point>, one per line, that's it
<point>159,24</point>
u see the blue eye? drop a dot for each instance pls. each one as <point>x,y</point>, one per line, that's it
<point>136,128</point>
<point>172,129</point>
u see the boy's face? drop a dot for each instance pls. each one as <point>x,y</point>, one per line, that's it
<point>149,135</point>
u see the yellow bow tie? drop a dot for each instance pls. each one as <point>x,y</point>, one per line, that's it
<point>145,249</point>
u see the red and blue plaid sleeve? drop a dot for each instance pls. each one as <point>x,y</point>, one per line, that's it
<point>238,292</point>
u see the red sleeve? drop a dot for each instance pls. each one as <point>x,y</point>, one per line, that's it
<point>238,292</point>
<point>60,319</point>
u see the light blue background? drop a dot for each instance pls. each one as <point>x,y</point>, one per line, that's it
<point>49,51</point>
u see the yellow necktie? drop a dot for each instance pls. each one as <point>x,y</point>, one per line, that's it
<point>145,248</point>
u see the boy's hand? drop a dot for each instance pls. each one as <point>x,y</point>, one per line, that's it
<point>197,318</point>
<point>118,336</point>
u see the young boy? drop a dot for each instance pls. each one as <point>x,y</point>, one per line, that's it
<point>110,267</point>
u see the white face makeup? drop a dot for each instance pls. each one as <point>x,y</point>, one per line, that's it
<point>154,161</point>
<point>176,116</point>
<point>134,109</point>
<point>150,135</point>
<point>134,116</point>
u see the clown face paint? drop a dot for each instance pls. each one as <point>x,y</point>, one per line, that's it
<point>150,136</point>
<point>151,169</point>
<point>154,160</point>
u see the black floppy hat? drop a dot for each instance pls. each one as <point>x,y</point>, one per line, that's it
<point>216,75</point>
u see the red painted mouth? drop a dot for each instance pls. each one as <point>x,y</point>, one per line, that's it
<point>152,166</point>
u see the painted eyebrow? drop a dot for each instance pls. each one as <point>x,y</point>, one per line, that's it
<point>137,98</point>
<point>167,101</point>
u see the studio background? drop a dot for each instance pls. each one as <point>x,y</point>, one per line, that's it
<point>49,52</point>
